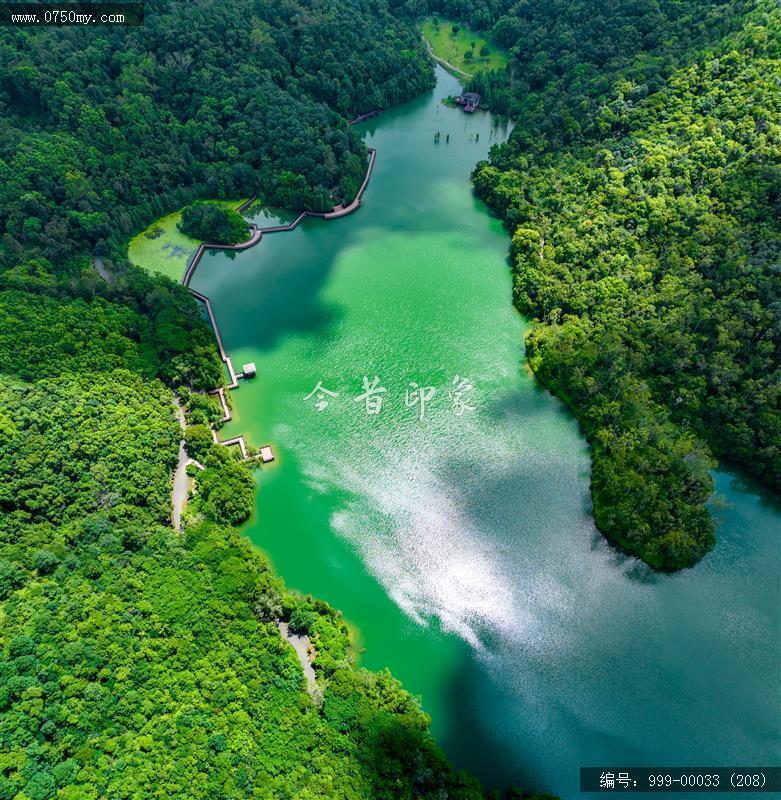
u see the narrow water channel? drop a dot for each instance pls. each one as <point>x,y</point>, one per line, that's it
<point>461,546</point>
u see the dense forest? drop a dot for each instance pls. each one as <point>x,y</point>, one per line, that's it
<point>642,186</point>
<point>103,131</point>
<point>136,660</point>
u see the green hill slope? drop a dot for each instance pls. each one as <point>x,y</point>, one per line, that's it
<point>648,249</point>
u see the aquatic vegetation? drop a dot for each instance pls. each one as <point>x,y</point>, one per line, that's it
<point>164,248</point>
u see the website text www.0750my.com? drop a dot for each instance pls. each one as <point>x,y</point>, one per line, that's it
<point>62,17</point>
<point>32,14</point>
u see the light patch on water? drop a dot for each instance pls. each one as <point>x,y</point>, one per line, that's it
<point>413,520</point>
<point>415,538</point>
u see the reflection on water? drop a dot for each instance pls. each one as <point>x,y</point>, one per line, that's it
<point>463,548</point>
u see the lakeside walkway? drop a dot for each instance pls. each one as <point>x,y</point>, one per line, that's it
<point>441,61</point>
<point>255,237</point>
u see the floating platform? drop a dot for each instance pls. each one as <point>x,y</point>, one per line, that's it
<point>266,454</point>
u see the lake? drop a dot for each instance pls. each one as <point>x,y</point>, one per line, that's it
<point>457,538</point>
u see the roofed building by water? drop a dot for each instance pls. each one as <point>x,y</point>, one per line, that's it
<point>469,101</point>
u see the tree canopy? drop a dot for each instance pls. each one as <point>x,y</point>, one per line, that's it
<point>646,243</point>
<point>210,222</point>
<point>102,131</point>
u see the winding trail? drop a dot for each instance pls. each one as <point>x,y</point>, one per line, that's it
<point>181,481</point>
<point>441,61</point>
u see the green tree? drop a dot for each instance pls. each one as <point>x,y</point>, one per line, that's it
<point>210,222</point>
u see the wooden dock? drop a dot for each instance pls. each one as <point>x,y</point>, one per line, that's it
<point>255,235</point>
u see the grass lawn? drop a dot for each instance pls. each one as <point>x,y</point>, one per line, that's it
<point>162,248</point>
<point>453,48</point>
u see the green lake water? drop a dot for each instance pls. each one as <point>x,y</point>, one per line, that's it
<point>461,547</point>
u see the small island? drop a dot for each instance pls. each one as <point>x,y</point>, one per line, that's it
<point>213,222</point>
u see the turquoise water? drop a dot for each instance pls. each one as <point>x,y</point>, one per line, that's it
<point>462,547</point>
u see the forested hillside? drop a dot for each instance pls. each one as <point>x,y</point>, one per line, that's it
<point>101,131</point>
<point>642,187</point>
<point>137,661</point>
<point>568,56</point>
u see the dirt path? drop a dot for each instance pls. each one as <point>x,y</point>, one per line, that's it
<point>181,481</point>
<point>441,61</point>
<point>101,268</point>
<point>301,646</point>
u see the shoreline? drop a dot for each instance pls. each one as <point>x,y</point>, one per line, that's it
<point>256,236</point>
<point>451,68</point>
